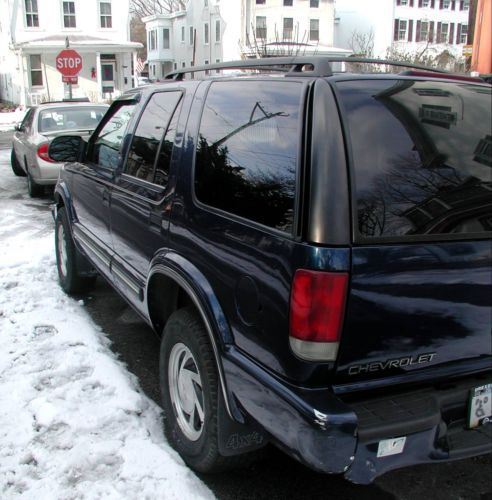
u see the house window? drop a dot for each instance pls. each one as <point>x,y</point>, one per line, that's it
<point>314,4</point>
<point>182,34</point>
<point>464,33</point>
<point>446,4</point>
<point>465,5</point>
<point>183,64</point>
<point>166,44</point>
<point>152,40</point>
<point>217,61</point>
<point>207,72</point>
<point>205,3</point>
<point>424,31</point>
<point>36,70</point>
<point>69,15</point>
<point>260,2</point>
<point>261,27</point>
<point>217,30</point>
<point>443,35</point>
<point>425,3</point>
<point>288,27</point>
<point>403,2</point>
<point>192,33</point>
<point>105,15</point>
<point>288,3</point>
<point>402,30</point>
<point>314,30</point>
<point>206,35</point>
<point>32,16</point>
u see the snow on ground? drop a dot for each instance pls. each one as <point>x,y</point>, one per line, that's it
<point>9,119</point>
<point>73,422</point>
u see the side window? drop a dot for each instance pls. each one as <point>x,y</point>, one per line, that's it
<point>246,156</point>
<point>27,121</point>
<point>107,145</point>
<point>151,128</point>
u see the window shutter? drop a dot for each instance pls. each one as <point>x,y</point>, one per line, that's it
<point>433,4</point>
<point>451,33</point>
<point>411,3</point>
<point>438,32</point>
<point>420,4</point>
<point>458,33</point>
<point>462,4</point>
<point>417,35</point>
<point>410,30</point>
<point>431,32</point>
<point>398,2</point>
<point>441,4</point>
<point>453,5</point>
<point>395,34</point>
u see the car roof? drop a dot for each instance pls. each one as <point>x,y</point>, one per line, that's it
<point>69,104</point>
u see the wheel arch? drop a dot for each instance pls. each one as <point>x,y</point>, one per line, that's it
<point>175,282</point>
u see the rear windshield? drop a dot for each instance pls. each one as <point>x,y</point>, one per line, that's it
<point>60,119</point>
<point>422,157</point>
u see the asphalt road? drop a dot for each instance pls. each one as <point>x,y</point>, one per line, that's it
<point>276,476</point>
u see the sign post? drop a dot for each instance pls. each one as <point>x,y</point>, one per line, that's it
<point>69,64</point>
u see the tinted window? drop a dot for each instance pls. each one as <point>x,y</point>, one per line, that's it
<point>107,145</point>
<point>150,130</point>
<point>247,151</point>
<point>422,156</point>
<point>27,121</point>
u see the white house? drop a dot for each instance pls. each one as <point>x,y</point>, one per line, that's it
<point>33,32</point>
<point>211,31</point>
<point>409,26</point>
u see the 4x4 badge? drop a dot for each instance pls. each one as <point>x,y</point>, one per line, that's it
<point>376,366</point>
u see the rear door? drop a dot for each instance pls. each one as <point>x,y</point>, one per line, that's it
<point>140,201</point>
<point>421,167</point>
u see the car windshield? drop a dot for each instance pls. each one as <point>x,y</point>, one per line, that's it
<point>70,118</point>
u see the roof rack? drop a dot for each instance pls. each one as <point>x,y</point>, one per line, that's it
<point>295,66</point>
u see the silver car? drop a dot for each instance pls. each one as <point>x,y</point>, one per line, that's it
<point>40,125</point>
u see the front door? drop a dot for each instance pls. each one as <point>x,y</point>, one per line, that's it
<point>108,77</point>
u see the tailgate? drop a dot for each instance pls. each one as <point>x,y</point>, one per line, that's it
<point>419,307</point>
<point>417,312</point>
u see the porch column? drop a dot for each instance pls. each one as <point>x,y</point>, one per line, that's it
<point>99,76</point>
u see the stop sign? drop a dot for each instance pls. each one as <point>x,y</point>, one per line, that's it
<point>69,62</point>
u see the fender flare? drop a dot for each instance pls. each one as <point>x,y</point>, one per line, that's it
<point>198,288</point>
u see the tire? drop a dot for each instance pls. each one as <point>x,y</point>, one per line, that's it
<point>34,190</point>
<point>16,168</point>
<point>189,383</point>
<point>67,257</point>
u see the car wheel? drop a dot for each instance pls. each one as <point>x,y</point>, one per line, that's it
<point>16,168</point>
<point>34,190</point>
<point>66,258</point>
<point>189,388</point>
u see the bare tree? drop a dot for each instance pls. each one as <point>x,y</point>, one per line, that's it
<point>362,44</point>
<point>142,8</point>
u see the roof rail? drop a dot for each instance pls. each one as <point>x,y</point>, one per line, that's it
<point>295,66</point>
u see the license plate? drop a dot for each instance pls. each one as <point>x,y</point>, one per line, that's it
<point>480,406</point>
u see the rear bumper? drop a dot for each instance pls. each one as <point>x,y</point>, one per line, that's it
<point>45,173</point>
<point>334,436</point>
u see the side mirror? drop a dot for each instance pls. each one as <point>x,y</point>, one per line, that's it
<point>18,127</point>
<point>67,148</point>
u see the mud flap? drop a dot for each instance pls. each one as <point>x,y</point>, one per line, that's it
<point>235,438</point>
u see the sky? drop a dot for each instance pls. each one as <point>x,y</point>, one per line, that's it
<point>73,421</point>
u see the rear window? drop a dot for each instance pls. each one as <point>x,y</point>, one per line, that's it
<point>61,119</point>
<point>422,157</point>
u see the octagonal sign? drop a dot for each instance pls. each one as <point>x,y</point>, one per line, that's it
<point>69,62</point>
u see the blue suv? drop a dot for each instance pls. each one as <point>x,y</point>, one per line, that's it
<point>314,248</point>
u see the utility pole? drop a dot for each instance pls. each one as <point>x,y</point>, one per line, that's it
<point>67,46</point>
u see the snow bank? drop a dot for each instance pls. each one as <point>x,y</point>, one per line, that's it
<point>73,422</point>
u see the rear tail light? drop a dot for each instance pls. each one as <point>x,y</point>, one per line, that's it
<point>43,152</point>
<point>317,307</point>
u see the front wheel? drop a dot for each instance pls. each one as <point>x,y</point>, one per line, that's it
<point>67,258</point>
<point>189,388</point>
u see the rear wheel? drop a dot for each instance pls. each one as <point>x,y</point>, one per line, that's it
<point>66,258</point>
<point>34,190</point>
<point>190,393</point>
<point>16,168</point>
